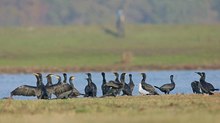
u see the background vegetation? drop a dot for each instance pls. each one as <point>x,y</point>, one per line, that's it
<point>53,12</point>
<point>92,46</point>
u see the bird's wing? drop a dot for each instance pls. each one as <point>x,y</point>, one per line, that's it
<point>148,87</point>
<point>62,88</point>
<point>166,86</point>
<point>25,90</point>
<point>142,91</point>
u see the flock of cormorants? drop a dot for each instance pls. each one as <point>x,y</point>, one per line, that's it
<point>64,90</point>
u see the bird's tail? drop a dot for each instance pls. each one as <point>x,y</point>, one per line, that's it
<point>215,89</point>
<point>81,94</point>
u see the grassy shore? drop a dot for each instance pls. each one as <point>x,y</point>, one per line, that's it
<point>97,46</point>
<point>164,108</point>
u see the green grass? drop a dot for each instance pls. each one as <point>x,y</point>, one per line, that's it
<point>91,46</point>
<point>164,108</point>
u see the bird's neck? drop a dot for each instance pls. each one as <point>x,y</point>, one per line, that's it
<point>64,81</point>
<point>144,79</point>
<point>130,79</point>
<point>89,81</point>
<point>116,79</point>
<point>171,79</point>
<point>49,81</point>
<point>103,79</point>
<point>122,79</point>
<point>59,80</point>
<point>202,79</point>
<point>71,82</point>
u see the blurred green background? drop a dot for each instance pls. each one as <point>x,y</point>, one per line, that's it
<point>79,33</point>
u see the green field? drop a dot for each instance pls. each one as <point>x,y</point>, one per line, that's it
<point>138,109</point>
<point>92,46</point>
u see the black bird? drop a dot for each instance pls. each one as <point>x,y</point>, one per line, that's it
<point>126,88</point>
<point>118,90</point>
<point>74,92</point>
<point>27,90</point>
<point>206,87</point>
<point>115,86</point>
<point>147,87</point>
<point>210,86</point>
<point>49,83</point>
<point>104,87</point>
<point>60,90</point>
<point>196,87</point>
<point>64,77</point>
<point>131,83</point>
<point>166,88</point>
<point>41,85</point>
<point>91,88</point>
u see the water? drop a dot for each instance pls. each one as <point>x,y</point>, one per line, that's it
<point>183,79</point>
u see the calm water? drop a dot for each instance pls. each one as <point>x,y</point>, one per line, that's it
<point>183,79</point>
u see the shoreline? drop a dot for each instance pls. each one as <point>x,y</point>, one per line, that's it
<point>32,69</point>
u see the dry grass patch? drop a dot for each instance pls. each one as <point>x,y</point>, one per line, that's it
<point>164,108</point>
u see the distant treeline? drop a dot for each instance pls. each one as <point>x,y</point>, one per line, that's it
<point>61,12</point>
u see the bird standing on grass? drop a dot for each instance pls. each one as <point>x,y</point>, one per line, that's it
<point>131,83</point>
<point>147,87</point>
<point>91,88</point>
<point>166,88</point>
<point>206,87</point>
<point>27,90</point>
<point>196,87</point>
<point>126,90</point>
<point>75,92</point>
<point>104,87</point>
<point>49,83</point>
<point>60,90</point>
<point>114,85</point>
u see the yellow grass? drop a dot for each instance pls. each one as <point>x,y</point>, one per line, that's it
<point>144,109</point>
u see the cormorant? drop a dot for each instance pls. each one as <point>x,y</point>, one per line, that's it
<point>166,88</point>
<point>206,87</point>
<point>91,88</point>
<point>195,87</point>
<point>41,85</point>
<point>118,90</point>
<point>131,83</point>
<point>74,92</point>
<point>115,86</point>
<point>60,90</point>
<point>210,86</point>
<point>27,90</point>
<point>105,88</point>
<point>147,87</point>
<point>126,88</point>
<point>64,77</point>
<point>49,83</point>
<point>141,90</point>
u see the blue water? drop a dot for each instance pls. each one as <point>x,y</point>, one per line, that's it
<point>183,79</point>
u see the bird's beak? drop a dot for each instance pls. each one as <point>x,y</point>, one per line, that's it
<point>73,77</point>
<point>198,73</point>
<point>35,74</point>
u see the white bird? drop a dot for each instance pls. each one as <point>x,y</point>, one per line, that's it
<point>142,91</point>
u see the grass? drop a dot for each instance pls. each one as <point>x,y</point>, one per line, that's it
<point>93,46</point>
<point>164,108</point>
